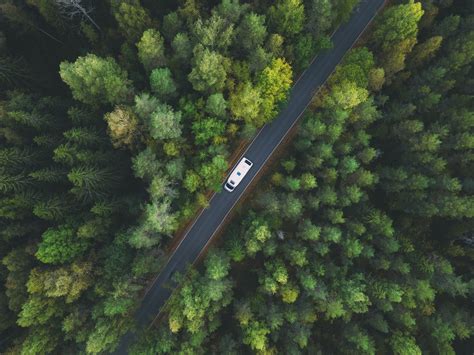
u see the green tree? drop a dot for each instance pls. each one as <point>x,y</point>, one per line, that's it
<point>132,18</point>
<point>245,103</point>
<point>209,70</point>
<point>274,83</point>
<point>214,33</point>
<point>287,17</point>
<point>251,32</point>
<point>162,83</point>
<point>60,245</point>
<point>123,126</point>
<point>151,50</point>
<point>425,51</point>
<point>397,24</point>
<point>164,123</point>
<point>182,47</point>
<point>319,17</point>
<point>94,80</point>
<point>208,129</point>
<point>216,105</point>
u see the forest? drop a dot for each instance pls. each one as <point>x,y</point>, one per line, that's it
<point>119,118</point>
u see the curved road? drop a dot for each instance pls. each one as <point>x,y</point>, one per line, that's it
<point>259,151</point>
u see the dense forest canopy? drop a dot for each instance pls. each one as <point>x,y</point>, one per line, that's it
<point>118,117</point>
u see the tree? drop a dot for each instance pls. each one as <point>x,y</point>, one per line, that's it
<point>123,126</point>
<point>162,83</point>
<point>397,24</point>
<point>217,265</point>
<point>213,171</point>
<point>209,70</point>
<point>319,17</point>
<point>287,17</point>
<point>68,282</point>
<point>60,245</point>
<point>164,123</point>
<point>151,50</point>
<point>343,10</point>
<point>274,83</point>
<point>214,33</point>
<point>132,18</point>
<point>245,104</point>
<point>231,10</point>
<point>208,129</point>
<point>257,234</point>
<point>40,340</point>
<point>216,105</point>
<point>425,51</point>
<point>181,45</point>
<point>92,182</point>
<point>346,95</point>
<point>106,334</point>
<point>172,25</point>
<point>94,80</point>
<point>404,345</point>
<point>251,32</point>
<point>145,104</point>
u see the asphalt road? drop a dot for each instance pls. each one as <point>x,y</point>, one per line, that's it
<point>259,151</point>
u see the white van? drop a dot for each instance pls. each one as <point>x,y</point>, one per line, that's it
<point>238,174</point>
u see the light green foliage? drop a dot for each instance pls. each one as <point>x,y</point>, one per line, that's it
<point>212,172</point>
<point>397,24</point>
<point>132,19</point>
<point>164,123</point>
<point>208,129</point>
<point>192,181</point>
<point>94,80</point>
<point>209,70</point>
<point>346,95</point>
<point>42,340</point>
<point>217,265</point>
<point>404,345</point>
<point>123,126</point>
<point>356,67</point>
<point>201,297</point>
<point>68,282</point>
<point>145,164</point>
<point>216,105</point>
<point>60,245</point>
<point>214,33</point>
<point>257,235</point>
<point>245,104</point>
<point>287,17</point>
<point>162,83</point>
<point>251,32</point>
<point>151,51</point>
<point>274,83</point>
<point>38,310</point>
<point>105,335</point>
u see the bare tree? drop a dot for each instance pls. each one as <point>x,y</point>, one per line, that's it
<point>72,8</point>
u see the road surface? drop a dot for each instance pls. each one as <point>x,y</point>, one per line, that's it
<point>259,151</point>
